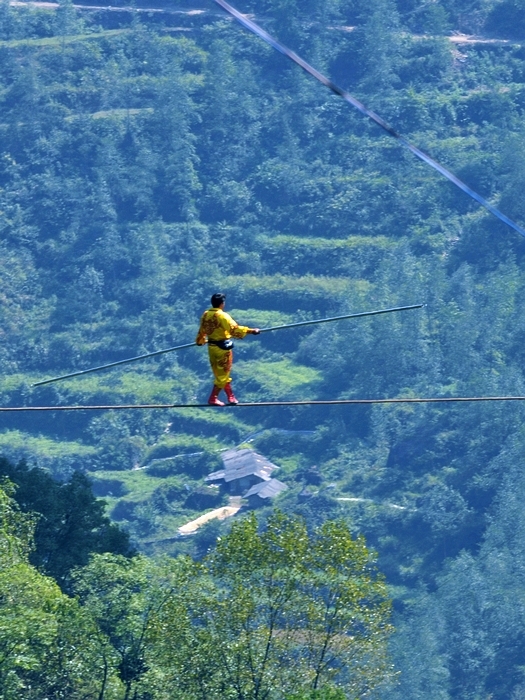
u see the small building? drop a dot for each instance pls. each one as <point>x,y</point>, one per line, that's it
<point>243,470</point>
<point>263,490</point>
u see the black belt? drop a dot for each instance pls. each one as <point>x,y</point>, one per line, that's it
<point>226,344</point>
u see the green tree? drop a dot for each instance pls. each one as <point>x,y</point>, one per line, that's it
<point>323,694</point>
<point>71,523</point>
<point>279,611</point>
<point>46,641</point>
<point>123,597</point>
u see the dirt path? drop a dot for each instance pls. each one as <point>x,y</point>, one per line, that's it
<point>458,38</point>
<point>455,38</point>
<point>370,500</point>
<point>111,8</point>
<point>217,514</point>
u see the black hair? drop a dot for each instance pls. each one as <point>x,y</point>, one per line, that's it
<point>218,299</point>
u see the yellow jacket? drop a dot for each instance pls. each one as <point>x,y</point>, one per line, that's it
<point>216,324</point>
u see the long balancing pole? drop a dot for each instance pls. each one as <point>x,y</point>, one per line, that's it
<point>341,318</point>
<point>113,364</point>
<point>190,345</point>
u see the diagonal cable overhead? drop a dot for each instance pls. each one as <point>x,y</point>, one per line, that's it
<point>258,31</point>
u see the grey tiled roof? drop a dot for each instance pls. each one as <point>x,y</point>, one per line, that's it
<point>240,463</point>
<point>266,489</point>
<point>215,476</point>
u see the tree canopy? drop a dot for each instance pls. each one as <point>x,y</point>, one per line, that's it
<point>69,520</point>
<point>260,618</point>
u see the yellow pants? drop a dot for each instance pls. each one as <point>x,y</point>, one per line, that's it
<point>221,364</point>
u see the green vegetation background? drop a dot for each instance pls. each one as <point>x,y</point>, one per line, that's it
<point>147,160</point>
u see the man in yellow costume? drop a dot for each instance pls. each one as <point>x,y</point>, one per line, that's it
<point>218,328</point>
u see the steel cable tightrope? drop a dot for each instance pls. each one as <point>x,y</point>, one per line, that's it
<point>266,404</point>
<point>191,345</point>
<point>261,33</point>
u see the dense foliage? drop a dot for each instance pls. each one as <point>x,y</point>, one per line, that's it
<point>70,521</point>
<point>268,615</point>
<point>148,160</point>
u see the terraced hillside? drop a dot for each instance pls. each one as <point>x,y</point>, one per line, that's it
<point>143,168</point>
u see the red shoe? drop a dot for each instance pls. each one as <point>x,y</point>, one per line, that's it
<point>232,401</point>
<point>214,397</point>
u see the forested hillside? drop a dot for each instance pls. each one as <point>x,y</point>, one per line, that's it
<point>149,159</point>
<point>141,628</point>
